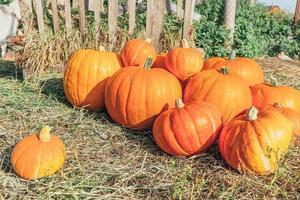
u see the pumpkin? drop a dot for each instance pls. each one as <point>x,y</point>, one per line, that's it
<point>136,52</point>
<point>293,116</point>
<point>255,141</point>
<point>87,72</point>
<point>268,94</point>
<point>38,155</point>
<point>135,96</point>
<point>227,91</point>
<point>160,61</point>
<point>247,68</point>
<point>187,129</point>
<point>184,62</point>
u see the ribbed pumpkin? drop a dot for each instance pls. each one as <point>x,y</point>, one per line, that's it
<point>184,62</point>
<point>160,61</point>
<point>228,92</point>
<point>268,94</point>
<point>247,68</point>
<point>38,155</point>
<point>136,52</point>
<point>87,72</point>
<point>187,129</point>
<point>254,142</point>
<point>293,116</point>
<point>135,96</point>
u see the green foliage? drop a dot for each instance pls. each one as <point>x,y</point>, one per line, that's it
<point>5,2</point>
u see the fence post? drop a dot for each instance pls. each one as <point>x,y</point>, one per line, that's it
<point>179,9</point>
<point>188,20</point>
<point>229,18</point>
<point>39,15</point>
<point>81,16</point>
<point>68,22</point>
<point>112,20</point>
<point>55,16</point>
<point>97,12</point>
<point>296,17</point>
<point>131,12</point>
<point>155,20</point>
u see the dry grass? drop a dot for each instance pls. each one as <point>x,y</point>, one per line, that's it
<point>105,161</point>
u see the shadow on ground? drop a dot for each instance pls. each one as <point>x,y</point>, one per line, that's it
<point>5,159</point>
<point>9,69</point>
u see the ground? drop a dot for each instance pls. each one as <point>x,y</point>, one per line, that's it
<point>105,161</point>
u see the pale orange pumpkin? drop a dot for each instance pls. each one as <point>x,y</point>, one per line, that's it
<point>187,129</point>
<point>86,75</point>
<point>38,155</point>
<point>254,142</point>
<point>160,61</point>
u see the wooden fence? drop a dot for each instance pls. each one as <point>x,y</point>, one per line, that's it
<point>156,9</point>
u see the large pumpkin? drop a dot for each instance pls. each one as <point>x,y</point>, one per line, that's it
<point>247,68</point>
<point>87,72</point>
<point>228,92</point>
<point>160,61</point>
<point>268,94</point>
<point>38,155</point>
<point>136,52</point>
<point>187,129</point>
<point>135,96</point>
<point>254,142</point>
<point>184,62</point>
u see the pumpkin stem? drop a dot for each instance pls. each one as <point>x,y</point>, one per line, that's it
<point>224,70</point>
<point>101,48</point>
<point>251,113</point>
<point>274,82</point>
<point>232,55</point>
<point>148,63</point>
<point>179,103</point>
<point>45,134</point>
<point>185,43</point>
<point>148,40</point>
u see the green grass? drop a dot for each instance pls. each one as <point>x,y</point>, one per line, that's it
<point>105,161</point>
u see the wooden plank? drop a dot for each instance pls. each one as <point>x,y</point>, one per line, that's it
<point>229,18</point>
<point>296,17</point>
<point>55,16</point>
<point>28,4</point>
<point>155,21</point>
<point>179,9</point>
<point>97,12</point>
<point>112,20</point>
<point>187,23</point>
<point>68,22</point>
<point>39,15</point>
<point>81,15</point>
<point>131,11</point>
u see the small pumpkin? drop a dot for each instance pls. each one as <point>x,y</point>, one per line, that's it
<point>227,91</point>
<point>135,96</point>
<point>184,62</point>
<point>87,72</point>
<point>255,141</point>
<point>247,68</point>
<point>160,61</point>
<point>268,94</point>
<point>38,155</point>
<point>136,52</point>
<point>293,116</point>
<point>187,129</point>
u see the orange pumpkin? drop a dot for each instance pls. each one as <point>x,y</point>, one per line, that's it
<point>247,68</point>
<point>135,96</point>
<point>227,91</point>
<point>184,62</point>
<point>187,129</point>
<point>38,155</point>
<point>254,142</point>
<point>87,72</point>
<point>136,52</point>
<point>293,116</point>
<point>268,94</point>
<point>160,61</point>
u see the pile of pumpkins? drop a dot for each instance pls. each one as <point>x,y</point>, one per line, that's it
<point>188,103</point>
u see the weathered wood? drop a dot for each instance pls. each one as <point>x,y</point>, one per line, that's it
<point>96,8</point>
<point>229,18</point>
<point>55,16</point>
<point>39,15</point>
<point>68,20</point>
<point>112,20</point>
<point>187,24</point>
<point>131,4</point>
<point>296,16</point>
<point>81,15</point>
<point>179,9</point>
<point>28,4</point>
<point>155,20</point>
<point>252,2</point>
